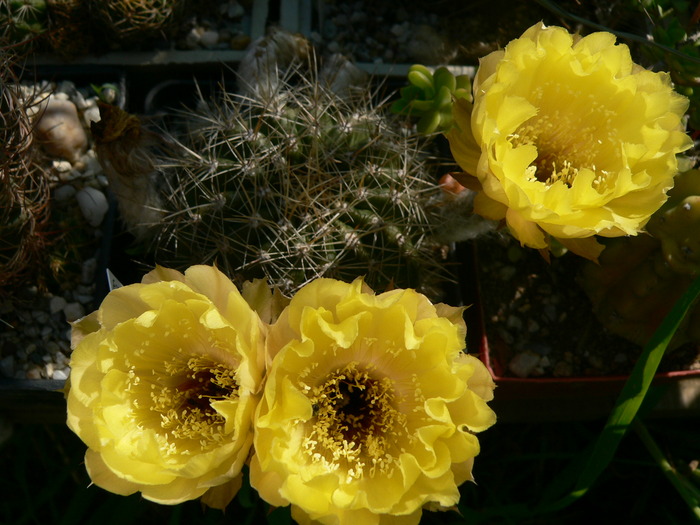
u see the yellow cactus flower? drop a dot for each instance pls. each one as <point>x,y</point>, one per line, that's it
<point>163,386</point>
<point>370,406</point>
<point>569,138</point>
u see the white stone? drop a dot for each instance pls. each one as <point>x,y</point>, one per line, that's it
<point>61,166</point>
<point>69,175</point>
<point>235,10</point>
<point>56,304</point>
<point>193,37</point>
<point>524,364</point>
<point>209,38</point>
<point>67,87</point>
<point>87,273</point>
<point>92,166</point>
<point>73,311</point>
<point>63,193</point>
<point>84,298</point>
<point>93,204</point>
<point>91,114</point>
<point>60,375</point>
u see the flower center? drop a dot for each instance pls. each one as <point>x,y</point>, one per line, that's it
<point>568,139</point>
<point>355,423</point>
<point>181,401</point>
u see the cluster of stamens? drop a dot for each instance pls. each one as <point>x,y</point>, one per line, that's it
<point>567,140</point>
<point>181,400</point>
<point>356,424</point>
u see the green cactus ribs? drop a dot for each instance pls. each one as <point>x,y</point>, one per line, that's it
<point>293,182</point>
<point>429,96</point>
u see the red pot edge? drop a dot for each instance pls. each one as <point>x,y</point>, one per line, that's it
<point>485,354</point>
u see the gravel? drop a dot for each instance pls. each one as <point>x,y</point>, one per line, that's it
<point>539,323</point>
<point>34,329</point>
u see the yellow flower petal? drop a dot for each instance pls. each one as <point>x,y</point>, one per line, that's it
<point>104,478</point>
<point>576,140</point>
<point>220,496</point>
<point>527,232</point>
<point>367,406</point>
<point>588,248</point>
<point>163,388</point>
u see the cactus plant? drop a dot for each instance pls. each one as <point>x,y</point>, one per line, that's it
<point>135,21</point>
<point>22,20</point>
<point>293,182</point>
<point>70,28</point>
<point>429,96</point>
<point>24,185</point>
<point>640,278</point>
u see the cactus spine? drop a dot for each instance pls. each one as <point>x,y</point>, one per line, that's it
<point>24,186</point>
<point>293,182</point>
<point>134,21</point>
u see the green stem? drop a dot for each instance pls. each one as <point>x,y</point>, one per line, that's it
<point>628,402</point>
<point>689,493</point>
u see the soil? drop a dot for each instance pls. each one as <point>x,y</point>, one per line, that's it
<point>540,323</point>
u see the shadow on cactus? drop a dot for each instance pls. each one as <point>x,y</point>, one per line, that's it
<point>292,182</point>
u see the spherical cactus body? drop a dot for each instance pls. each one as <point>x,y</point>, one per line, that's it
<point>293,181</point>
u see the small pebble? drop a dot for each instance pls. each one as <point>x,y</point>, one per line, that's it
<point>524,364</point>
<point>91,114</point>
<point>562,369</point>
<point>209,38</point>
<point>64,192</point>
<point>87,273</point>
<point>83,298</point>
<point>73,311</point>
<point>60,375</point>
<point>93,204</point>
<point>193,37</point>
<point>7,366</point>
<point>40,316</point>
<point>514,323</point>
<point>61,166</point>
<point>33,373</point>
<point>56,304</point>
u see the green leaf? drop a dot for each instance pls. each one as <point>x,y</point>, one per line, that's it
<point>628,403</point>
<point>689,492</point>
